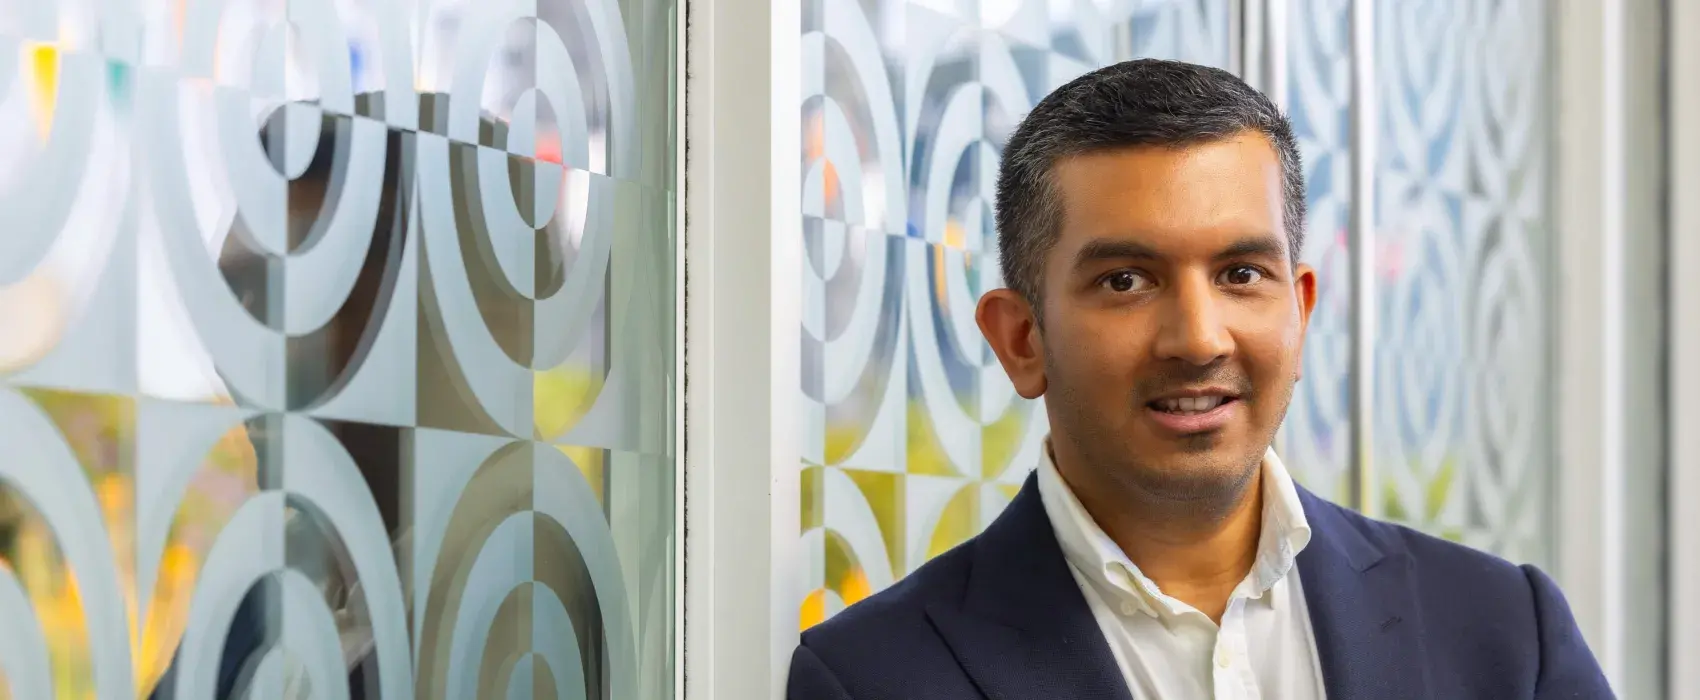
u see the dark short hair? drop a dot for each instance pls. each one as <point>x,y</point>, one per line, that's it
<point>1146,102</point>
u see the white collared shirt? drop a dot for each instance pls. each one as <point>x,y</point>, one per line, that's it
<point>1264,648</point>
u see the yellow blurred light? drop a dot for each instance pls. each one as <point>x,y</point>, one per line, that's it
<point>561,397</point>
<point>813,611</point>
<point>41,66</point>
<point>854,586</point>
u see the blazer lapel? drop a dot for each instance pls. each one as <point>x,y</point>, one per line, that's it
<point>1023,629</point>
<point>1363,609</point>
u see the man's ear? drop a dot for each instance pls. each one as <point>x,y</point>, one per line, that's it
<point>1304,289</point>
<point>1011,326</point>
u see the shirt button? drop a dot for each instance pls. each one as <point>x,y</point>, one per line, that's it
<point>1129,608</point>
<point>1222,658</point>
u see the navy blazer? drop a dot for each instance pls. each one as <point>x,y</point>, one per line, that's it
<point>1397,614</point>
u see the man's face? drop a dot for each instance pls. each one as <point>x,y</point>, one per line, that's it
<point>1173,316</point>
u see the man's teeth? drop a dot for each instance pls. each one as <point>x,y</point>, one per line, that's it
<point>1199,404</point>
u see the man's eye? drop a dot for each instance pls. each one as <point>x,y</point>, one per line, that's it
<point>1123,281</point>
<point>1241,275</point>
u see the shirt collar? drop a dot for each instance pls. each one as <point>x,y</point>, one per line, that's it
<point>1284,534</point>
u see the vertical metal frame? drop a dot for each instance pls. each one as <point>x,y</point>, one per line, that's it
<point>1644,611</point>
<point>1590,354</point>
<point>1274,48</point>
<point>1361,243</point>
<point>1262,49</point>
<point>1243,23</point>
<point>1683,501</point>
<point>1615,459</point>
<point>680,19</point>
<point>743,250</point>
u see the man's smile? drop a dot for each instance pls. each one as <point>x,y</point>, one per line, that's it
<point>1191,415</point>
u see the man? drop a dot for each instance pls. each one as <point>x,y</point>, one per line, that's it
<point>1151,216</point>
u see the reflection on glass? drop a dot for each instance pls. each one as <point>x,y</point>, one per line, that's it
<point>914,439</point>
<point>335,358</point>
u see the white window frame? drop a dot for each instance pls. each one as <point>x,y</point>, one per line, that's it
<point>743,251</point>
<point>1684,334</point>
<point>1590,352</point>
<point>1614,442</point>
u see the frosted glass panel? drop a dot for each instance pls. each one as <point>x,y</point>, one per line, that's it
<point>1316,439</point>
<point>913,438</point>
<point>1464,297</point>
<point>337,348</point>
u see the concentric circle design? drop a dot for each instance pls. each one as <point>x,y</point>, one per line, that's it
<point>64,183</point>
<point>1508,417</point>
<point>497,569</point>
<point>38,457</point>
<point>1463,397</point>
<point>526,567</point>
<point>853,202</point>
<point>285,276</point>
<point>961,385</point>
<point>51,107</point>
<point>320,478</point>
<point>303,243</point>
<point>518,240</point>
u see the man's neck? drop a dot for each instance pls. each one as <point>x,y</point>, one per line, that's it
<point>1197,555</point>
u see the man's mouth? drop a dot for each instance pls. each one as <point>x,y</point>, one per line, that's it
<point>1191,405</point>
<point>1194,412</point>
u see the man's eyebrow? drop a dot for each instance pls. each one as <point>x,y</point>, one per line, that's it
<point>1253,247</point>
<point>1100,249</point>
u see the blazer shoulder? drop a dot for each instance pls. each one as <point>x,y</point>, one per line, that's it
<point>1428,554</point>
<point>1499,614</point>
<point>1476,592</point>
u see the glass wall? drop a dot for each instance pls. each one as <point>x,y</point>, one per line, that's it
<point>337,348</point>
<point>1316,439</point>
<point>913,438</point>
<point>1463,250</point>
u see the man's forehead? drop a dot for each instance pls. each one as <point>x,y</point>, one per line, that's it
<point>1228,187</point>
<point>1246,151</point>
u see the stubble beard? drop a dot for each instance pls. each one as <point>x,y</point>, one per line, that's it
<point>1196,486</point>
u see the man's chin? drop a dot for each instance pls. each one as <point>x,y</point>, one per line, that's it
<point>1209,476</point>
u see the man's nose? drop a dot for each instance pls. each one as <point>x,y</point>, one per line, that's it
<point>1193,329</point>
